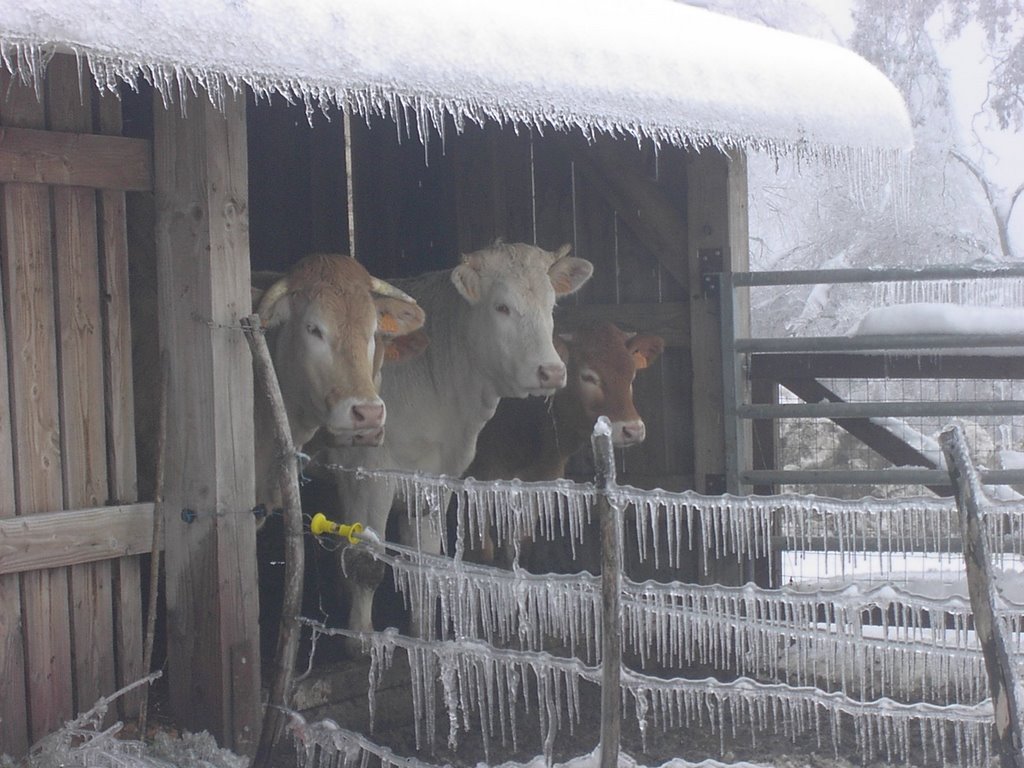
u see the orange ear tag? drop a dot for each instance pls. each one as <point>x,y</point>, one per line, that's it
<point>387,323</point>
<point>639,359</point>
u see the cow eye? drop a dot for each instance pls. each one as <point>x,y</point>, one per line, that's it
<point>503,309</point>
<point>588,377</point>
<point>315,330</point>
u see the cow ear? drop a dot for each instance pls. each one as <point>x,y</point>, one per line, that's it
<point>562,342</point>
<point>260,283</point>
<point>645,349</point>
<point>466,279</point>
<point>405,347</point>
<point>568,273</point>
<point>274,307</point>
<point>396,317</point>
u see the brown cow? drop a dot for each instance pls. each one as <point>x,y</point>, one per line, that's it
<point>532,439</point>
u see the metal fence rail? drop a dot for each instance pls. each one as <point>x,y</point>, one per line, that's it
<point>737,353</point>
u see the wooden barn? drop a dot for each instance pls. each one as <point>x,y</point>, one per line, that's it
<point>226,137</point>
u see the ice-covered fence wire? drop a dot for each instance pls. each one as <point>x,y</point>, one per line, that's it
<point>744,525</point>
<point>515,510</point>
<point>477,681</point>
<point>984,292</point>
<point>499,606</point>
<point>325,744</point>
<point>880,641</point>
<point>676,522</point>
<point>951,735</point>
<point>488,685</point>
<point>876,641</point>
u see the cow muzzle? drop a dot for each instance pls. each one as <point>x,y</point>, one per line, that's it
<point>357,421</point>
<point>367,415</point>
<point>551,376</point>
<point>627,433</point>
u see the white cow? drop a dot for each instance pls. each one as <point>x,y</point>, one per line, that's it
<point>490,326</point>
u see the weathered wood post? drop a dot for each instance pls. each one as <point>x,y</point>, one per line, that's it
<point>294,551</point>
<point>1001,679</point>
<point>610,516</point>
<point>202,246</point>
<point>716,215</point>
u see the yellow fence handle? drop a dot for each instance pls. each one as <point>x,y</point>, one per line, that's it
<point>320,525</point>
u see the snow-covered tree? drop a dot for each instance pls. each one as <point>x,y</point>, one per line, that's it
<point>977,48</point>
<point>933,210</point>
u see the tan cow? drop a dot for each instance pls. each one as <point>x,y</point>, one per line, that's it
<point>330,324</point>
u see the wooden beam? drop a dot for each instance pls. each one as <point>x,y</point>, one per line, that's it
<point>610,517</point>
<point>57,539</point>
<point>1003,683</point>
<point>717,223</point>
<point>202,243</point>
<point>13,719</point>
<point>717,216</point>
<point>74,159</point>
<point>640,204</point>
<point>670,320</point>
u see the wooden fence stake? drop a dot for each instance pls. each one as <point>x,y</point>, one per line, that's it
<point>1001,679</point>
<point>294,559</point>
<point>158,540</point>
<point>610,516</point>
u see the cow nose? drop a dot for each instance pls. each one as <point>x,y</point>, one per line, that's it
<point>633,432</point>
<point>552,375</point>
<point>366,415</point>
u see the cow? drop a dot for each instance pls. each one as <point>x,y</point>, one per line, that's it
<point>533,439</point>
<point>293,298</point>
<point>490,326</point>
<point>329,325</point>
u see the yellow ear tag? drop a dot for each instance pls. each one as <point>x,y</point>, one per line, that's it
<point>387,323</point>
<point>639,359</point>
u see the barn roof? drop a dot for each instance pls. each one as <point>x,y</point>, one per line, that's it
<point>649,68</point>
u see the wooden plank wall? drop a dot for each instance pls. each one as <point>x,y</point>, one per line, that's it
<point>67,634</point>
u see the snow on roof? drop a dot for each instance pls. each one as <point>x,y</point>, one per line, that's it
<point>648,68</point>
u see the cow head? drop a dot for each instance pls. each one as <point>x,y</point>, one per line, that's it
<point>511,289</point>
<point>330,319</point>
<point>602,362</point>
